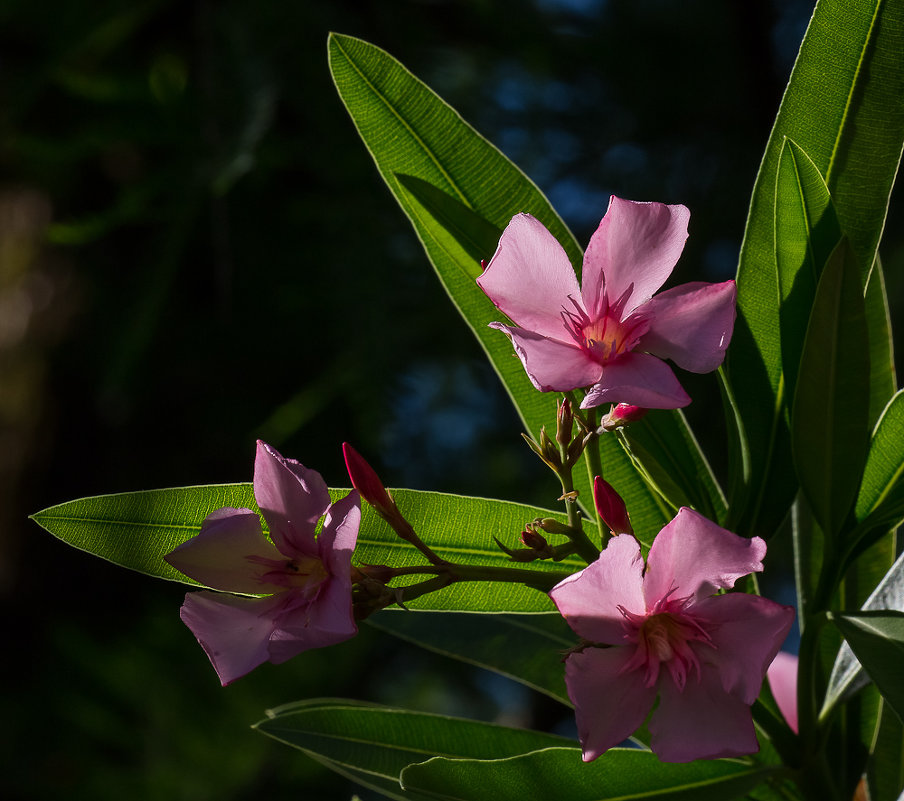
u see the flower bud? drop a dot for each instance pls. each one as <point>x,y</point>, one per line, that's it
<point>564,423</point>
<point>533,539</point>
<point>610,507</point>
<point>366,481</point>
<point>620,415</point>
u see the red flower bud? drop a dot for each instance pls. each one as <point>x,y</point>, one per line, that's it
<point>366,481</point>
<point>610,507</point>
<point>620,415</point>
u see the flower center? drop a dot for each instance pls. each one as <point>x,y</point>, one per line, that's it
<point>605,339</point>
<point>305,573</point>
<point>665,638</point>
<point>606,336</point>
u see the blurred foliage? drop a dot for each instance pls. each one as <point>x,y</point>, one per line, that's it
<point>195,250</point>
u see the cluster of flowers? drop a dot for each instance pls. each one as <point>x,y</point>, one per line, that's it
<point>660,628</point>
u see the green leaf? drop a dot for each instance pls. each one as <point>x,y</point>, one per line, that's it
<point>883,381</point>
<point>842,107</point>
<point>829,418</point>
<point>468,229</point>
<point>526,648</point>
<point>136,529</point>
<point>880,501</point>
<point>667,451</point>
<point>877,639</point>
<point>559,773</point>
<point>455,187</point>
<point>372,744</point>
<point>885,768</point>
<point>847,674</point>
<point>806,233</point>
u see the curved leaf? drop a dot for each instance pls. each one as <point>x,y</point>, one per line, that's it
<point>880,500</point>
<point>136,529</point>
<point>829,425</point>
<point>372,744</point>
<point>877,639</point>
<point>620,774</point>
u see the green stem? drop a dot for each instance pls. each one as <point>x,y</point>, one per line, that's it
<point>585,548</point>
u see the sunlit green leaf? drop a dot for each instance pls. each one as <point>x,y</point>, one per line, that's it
<point>881,497</point>
<point>806,233</point>
<point>136,529</point>
<point>619,774</point>
<point>456,187</point>
<point>829,418</point>
<point>842,107</point>
<point>372,744</point>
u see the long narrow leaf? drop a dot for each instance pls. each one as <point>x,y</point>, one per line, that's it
<point>830,419</point>
<point>136,529</point>
<point>620,774</point>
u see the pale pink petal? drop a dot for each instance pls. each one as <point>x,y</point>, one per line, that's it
<point>638,379</point>
<point>691,325</point>
<point>552,366</point>
<point>746,632</point>
<point>530,277</point>
<point>692,556</point>
<point>325,621</point>
<point>609,705</point>
<point>782,676</point>
<point>636,243</point>
<point>292,499</point>
<point>233,631</point>
<point>590,600</point>
<point>702,722</point>
<point>217,556</point>
<point>339,534</point>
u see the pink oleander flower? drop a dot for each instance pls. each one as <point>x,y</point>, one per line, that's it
<point>660,631</point>
<point>782,676</point>
<point>610,333</point>
<point>305,578</point>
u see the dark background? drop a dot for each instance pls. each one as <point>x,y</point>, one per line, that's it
<point>197,251</point>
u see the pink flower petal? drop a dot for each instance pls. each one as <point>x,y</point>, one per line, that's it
<point>782,675</point>
<point>746,632</point>
<point>552,366</point>
<point>339,534</point>
<point>702,722</point>
<point>530,277</point>
<point>692,556</point>
<point>292,499</point>
<point>590,600</point>
<point>691,325</point>
<point>233,631</point>
<point>217,556</point>
<point>636,243</point>
<point>325,621</point>
<point>609,705</point>
<point>638,379</point>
